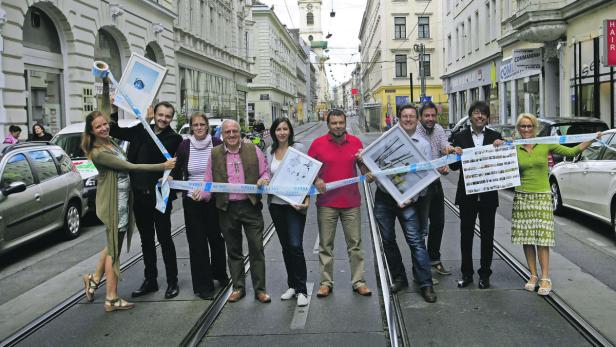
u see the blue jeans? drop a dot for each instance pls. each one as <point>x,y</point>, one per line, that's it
<point>290,229</point>
<point>386,210</point>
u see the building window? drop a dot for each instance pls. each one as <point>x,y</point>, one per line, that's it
<point>462,41</point>
<point>399,28</point>
<point>401,65</point>
<point>476,36</point>
<point>310,18</point>
<point>457,44</point>
<point>494,31</point>
<point>469,38</point>
<point>423,27</point>
<point>426,66</point>
<point>449,56</point>
<point>488,32</point>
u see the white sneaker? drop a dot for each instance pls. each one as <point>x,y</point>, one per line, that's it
<point>289,294</point>
<point>302,300</point>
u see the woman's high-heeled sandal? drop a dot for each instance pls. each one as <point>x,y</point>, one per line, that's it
<point>531,285</point>
<point>117,304</point>
<point>90,286</point>
<point>543,291</point>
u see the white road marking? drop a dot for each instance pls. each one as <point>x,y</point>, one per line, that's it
<point>596,242</point>
<point>315,248</point>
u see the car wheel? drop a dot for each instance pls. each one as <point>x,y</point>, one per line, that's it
<point>557,203</point>
<point>72,221</point>
<point>614,216</point>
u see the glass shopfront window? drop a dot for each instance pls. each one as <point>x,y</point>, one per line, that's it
<point>532,89</point>
<point>507,102</point>
<point>463,104</point>
<point>491,97</point>
<point>519,90</point>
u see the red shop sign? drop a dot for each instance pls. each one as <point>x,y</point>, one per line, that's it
<point>609,34</point>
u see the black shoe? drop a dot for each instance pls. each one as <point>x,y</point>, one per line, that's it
<point>465,281</point>
<point>428,294</point>
<point>146,288</point>
<point>223,281</point>
<point>172,291</point>
<point>484,283</point>
<point>207,294</point>
<point>398,286</point>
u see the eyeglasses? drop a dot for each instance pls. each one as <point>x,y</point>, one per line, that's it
<point>526,126</point>
<point>479,113</point>
<point>199,125</point>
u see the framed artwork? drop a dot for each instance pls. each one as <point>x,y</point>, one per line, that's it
<point>395,149</point>
<point>140,83</point>
<point>296,169</point>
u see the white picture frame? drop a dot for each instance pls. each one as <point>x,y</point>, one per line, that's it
<point>141,80</point>
<point>296,169</point>
<point>395,149</point>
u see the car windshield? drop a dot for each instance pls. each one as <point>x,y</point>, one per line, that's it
<point>71,144</point>
<point>575,128</point>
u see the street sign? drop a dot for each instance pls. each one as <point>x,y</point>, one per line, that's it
<point>426,99</point>
<point>609,35</point>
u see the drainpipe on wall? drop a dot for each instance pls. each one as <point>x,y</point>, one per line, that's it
<point>3,118</point>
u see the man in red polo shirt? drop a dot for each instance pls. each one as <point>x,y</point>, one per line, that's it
<point>337,150</point>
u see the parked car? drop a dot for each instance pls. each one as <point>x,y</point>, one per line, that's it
<point>214,123</point>
<point>588,183</point>
<point>506,130</point>
<point>40,192</point>
<point>555,126</point>
<point>69,139</point>
<point>460,125</point>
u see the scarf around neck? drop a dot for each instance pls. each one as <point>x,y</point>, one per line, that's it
<point>200,144</point>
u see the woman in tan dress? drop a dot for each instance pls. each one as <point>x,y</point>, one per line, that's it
<point>113,204</point>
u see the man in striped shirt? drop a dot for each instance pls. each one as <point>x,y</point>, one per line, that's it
<point>434,202</point>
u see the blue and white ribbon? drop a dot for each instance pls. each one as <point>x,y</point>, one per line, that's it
<point>214,187</point>
<point>101,70</point>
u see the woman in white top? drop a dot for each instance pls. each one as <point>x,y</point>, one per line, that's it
<point>289,220</point>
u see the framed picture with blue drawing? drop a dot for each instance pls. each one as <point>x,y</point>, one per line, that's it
<point>395,149</point>
<point>296,169</point>
<point>140,82</point>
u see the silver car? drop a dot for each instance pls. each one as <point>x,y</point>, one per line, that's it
<point>40,192</point>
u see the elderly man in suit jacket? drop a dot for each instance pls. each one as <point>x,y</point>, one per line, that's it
<point>482,204</point>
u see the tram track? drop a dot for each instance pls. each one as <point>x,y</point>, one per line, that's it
<point>207,319</point>
<point>589,332</point>
<point>394,319</point>
<point>30,328</point>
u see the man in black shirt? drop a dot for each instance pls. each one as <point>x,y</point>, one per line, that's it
<point>149,220</point>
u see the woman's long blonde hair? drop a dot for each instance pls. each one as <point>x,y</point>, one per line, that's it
<point>87,138</point>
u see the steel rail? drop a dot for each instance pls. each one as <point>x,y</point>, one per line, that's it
<point>567,312</point>
<point>207,319</point>
<point>398,335</point>
<point>71,301</point>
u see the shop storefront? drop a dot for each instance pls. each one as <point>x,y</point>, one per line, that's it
<point>466,87</point>
<point>521,88</point>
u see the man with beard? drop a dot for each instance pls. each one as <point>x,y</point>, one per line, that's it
<point>337,151</point>
<point>149,220</point>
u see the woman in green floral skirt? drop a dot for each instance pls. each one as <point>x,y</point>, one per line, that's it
<point>532,221</point>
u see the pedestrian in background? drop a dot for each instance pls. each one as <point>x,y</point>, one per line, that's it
<point>288,219</point>
<point>113,205</point>
<point>337,151</point>
<point>240,162</point>
<point>387,210</point>
<point>471,205</point>
<point>13,136</point>
<point>39,133</point>
<point>201,217</point>
<point>150,221</point>
<point>532,219</point>
<point>433,209</point>
<point>387,122</point>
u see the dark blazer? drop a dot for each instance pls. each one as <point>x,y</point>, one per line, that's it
<point>143,150</point>
<point>464,139</point>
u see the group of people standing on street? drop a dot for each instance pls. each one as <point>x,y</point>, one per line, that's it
<point>215,221</point>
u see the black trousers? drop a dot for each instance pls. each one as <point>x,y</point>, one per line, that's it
<point>202,229</point>
<point>436,214</point>
<point>289,225</point>
<point>468,214</point>
<point>149,222</point>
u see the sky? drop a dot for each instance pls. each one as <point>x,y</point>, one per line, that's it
<point>344,28</point>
